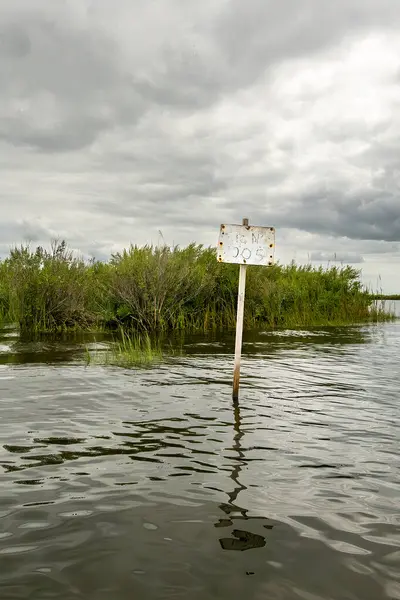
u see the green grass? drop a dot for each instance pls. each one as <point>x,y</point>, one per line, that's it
<point>135,350</point>
<point>155,290</point>
<point>129,351</point>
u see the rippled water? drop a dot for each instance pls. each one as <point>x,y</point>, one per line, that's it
<point>118,484</point>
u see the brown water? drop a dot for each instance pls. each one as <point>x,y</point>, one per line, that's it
<point>118,484</point>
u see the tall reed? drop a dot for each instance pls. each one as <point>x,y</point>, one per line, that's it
<point>133,350</point>
<point>50,290</point>
<point>159,289</point>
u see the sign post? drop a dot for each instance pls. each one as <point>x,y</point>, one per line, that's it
<point>244,245</point>
<point>239,330</point>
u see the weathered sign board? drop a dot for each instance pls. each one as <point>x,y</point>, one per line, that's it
<point>244,245</point>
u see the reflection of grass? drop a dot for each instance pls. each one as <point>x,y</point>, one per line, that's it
<point>129,351</point>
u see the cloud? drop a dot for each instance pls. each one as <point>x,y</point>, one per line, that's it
<point>368,215</point>
<point>260,33</point>
<point>61,85</point>
<point>118,121</point>
<point>344,258</point>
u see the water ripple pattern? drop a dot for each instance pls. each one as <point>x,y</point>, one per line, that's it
<point>150,483</point>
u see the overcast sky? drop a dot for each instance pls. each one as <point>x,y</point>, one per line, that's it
<point>123,119</point>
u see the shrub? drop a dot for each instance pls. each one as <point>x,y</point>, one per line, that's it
<point>153,289</point>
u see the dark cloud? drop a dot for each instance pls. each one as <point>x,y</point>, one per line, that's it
<point>121,120</point>
<point>246,39</point>
<point>259,33</point>
<point>60,84</point>
<point>24,231</point>
<point>372,215</point>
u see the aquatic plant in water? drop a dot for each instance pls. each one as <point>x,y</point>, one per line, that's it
<point>135,350</point>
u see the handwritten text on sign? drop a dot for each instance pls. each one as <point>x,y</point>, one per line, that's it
<point>246,245</point>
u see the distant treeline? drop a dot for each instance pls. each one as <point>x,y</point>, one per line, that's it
<point>150,289</point>
<point>385,296</point>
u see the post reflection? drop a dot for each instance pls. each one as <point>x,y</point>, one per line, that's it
<point>241,539</point>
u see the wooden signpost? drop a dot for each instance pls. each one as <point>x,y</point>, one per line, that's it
<point>244,245</point>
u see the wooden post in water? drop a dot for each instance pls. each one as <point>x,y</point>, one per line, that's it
<point>239,326</point>
<point>244,245</point>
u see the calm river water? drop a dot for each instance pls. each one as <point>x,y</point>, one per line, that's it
<point>119,484</point>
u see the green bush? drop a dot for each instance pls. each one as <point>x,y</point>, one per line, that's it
<point>50,291</point>
<point>155,289</point>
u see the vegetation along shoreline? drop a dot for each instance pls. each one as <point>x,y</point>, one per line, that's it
<point>155,289</point>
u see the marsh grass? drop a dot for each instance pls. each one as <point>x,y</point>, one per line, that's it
<point>49,290</point>
<point>156,290</point>
<point>135,350</point>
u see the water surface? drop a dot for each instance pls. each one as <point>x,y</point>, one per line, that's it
<point>120,484</point>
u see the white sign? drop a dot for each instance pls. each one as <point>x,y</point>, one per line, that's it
<point>246,245</point>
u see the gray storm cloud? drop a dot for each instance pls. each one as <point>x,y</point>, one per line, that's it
<point>118,120</point>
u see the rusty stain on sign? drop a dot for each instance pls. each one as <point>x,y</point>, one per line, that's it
<point>246,245</point>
